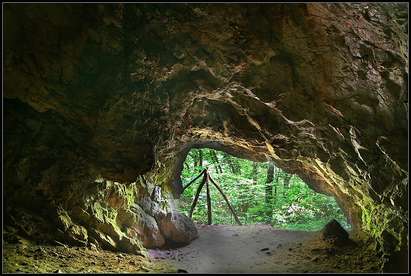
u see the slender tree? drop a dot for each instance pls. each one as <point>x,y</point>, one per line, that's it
<point>287,179</point>
<point>269,192</point>
<point>230,162</point>
<point>195,159</point>
<point>200,158</point>
<point>276,176</point>
<point>255,173</point>
<point>215,161</point>
<point>237,165</point>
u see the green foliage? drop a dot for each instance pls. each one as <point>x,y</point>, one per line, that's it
<point>295,207</point>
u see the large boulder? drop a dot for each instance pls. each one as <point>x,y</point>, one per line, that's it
<point>142,226</point>
<point>177,228</point>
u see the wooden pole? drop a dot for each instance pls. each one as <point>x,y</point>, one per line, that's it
<point>198,193</point>
<point>226,200</point>
<point>209,215</point>
<point>192,181</point>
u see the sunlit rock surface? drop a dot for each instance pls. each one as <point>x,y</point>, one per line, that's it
<point>102,102</point>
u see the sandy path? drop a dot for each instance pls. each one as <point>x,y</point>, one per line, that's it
<point>260,248</point>
<point>228,248</point>
<point>220,248</point>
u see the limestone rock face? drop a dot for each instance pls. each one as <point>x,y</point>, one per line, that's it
<point>121,92</point>
<point>142,226</point>
<point>177,228</point>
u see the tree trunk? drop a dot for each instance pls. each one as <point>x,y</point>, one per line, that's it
<point>287,179</point>
<point>209,211</point>
<point>230,162</point>
<point>286,183</point>
<point>195,160</point>
<point>275,184</point>
<point>236,165</point>
<point>200,159</point>
<point>193,206</point>
<point>255,171</point>
<point>269,192</point>
<point>216,161</point>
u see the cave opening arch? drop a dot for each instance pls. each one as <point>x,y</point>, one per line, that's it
<point>259,157</point>
<point>314,89</point>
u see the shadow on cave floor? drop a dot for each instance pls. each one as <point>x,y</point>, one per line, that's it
<point>219,248</point>
<point>261,248</point>
<point>27,257</point>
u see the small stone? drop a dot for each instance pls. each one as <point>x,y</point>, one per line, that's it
<point>58,271</point>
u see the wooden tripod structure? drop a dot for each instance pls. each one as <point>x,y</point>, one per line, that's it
<point>206,179</point>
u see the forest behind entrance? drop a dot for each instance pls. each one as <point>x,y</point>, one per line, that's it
<point>259,192</point>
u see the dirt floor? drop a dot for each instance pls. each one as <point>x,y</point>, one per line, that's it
<point>219,248</point>
<point>25,257</point>
<point>260,248</point>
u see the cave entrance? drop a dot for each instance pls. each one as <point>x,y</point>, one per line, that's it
<point>259,192</point>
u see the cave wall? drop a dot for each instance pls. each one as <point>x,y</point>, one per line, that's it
<point>102,101</point>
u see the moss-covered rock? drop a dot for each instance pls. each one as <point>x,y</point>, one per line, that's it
<point>177,228</point>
